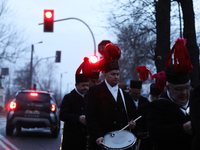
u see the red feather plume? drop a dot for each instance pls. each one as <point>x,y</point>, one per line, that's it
<point>182,62</point>
<point>143,72</point>
<point>160,80</point>
<point>85,67</point>
<point>112,52</point>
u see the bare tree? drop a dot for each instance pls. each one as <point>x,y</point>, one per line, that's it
<point>154,16</point>
<point>12,42</point>
<point>137,49</point>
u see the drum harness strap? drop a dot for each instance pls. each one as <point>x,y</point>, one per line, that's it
<point>124,102</point>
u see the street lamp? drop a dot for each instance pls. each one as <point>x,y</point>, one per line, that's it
<point>31,63</point>
<point>68,90</point>
<point>61,84</point>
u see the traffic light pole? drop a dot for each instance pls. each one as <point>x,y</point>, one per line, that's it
<point>83,23</point>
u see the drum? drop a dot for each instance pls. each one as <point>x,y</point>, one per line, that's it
<point>119,141</point>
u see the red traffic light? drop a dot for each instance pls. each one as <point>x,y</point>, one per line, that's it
<point>93,59</point>
<point>48,14</point>
<point>48,20</point>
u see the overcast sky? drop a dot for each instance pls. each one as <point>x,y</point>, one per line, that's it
<point>72,37</point>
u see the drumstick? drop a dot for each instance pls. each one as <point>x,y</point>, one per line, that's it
<point>128,124</point>
<point>105,145</point>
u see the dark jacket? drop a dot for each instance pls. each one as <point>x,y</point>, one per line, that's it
<point>165,124</point>
<point>141,101</point>
<point>104,114</point>
<point>72,107</point>
<point>195,117</point>
<point>142,132</point>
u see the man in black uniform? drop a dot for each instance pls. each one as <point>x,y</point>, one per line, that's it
<point>167,121</point>
<point>156,90</point>
<point>94,79</point>
<point>195,117</point>
<point>105,111</point>
<point>135,93</point>
<point>72,112</point>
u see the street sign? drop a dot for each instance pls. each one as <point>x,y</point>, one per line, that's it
<point>101,46</point>
<point>128,81</point>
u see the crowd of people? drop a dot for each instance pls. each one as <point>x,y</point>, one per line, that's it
<point>95,108</point>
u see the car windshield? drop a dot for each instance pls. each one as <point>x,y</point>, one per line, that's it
<point>33,96</point>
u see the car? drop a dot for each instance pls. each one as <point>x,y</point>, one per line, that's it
<point>33,109</point>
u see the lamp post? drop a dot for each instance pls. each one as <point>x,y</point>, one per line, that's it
<point>68,87</point>
<point>31,63</point>
<point>83,23</point>
<point>61,84</point>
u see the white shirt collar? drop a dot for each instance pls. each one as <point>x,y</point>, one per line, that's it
<point>79,93</point>
<point>113,90</point>
<point>185,106</point>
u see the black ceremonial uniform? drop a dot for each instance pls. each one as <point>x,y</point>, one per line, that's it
<point>165,124</point>
<point>72,107</point>
<point>141,101</point>
<point>104,114</point>
<point>195,117</point>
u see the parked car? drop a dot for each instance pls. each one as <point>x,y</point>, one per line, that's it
<point>33,109</point>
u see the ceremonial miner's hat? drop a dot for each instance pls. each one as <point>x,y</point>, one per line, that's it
<point>178,72</point>
<point>81,78</point>
<point>136,84</point>
<point>85,67</point>
<point>161,80</point>
<point>110,60</point>
<point>95,74</point>
<point>153,90</point>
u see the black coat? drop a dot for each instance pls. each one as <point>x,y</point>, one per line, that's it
<point>104,114</point>
<point>141,101</point>
<point>165,124</point>
<point>74,134</point>
<point>142,132</point>
<point>195,117</point>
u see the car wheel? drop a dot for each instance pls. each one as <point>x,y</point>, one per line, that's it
<point>18,128</point>
<point>55,131</point>
<point>9,129</point>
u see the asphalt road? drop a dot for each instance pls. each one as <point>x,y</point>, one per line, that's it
<point>28,139</point>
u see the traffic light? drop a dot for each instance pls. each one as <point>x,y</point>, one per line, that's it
<point>93,61</point>
<point>48,20</point>
<point>58,56</point>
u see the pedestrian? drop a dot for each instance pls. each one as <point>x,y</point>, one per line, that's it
<point>94,78</point>
<point>168,124</point>
<point>135,93</point>
<point>156,90</point>
<point>72,113</point>
<point>107,109</point>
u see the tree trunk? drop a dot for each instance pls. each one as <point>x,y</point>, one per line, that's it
<point>163,33</point>
<point>189,33</point>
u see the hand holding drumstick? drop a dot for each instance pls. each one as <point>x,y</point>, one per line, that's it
<point>131,124</point>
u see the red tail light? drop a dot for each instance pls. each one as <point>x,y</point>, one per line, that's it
<point>13,105</point>
<point>34,94</point>
<point>53,107</point>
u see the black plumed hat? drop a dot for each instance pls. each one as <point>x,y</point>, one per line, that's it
<point>81,78</point>
<point>95,74</point>
<point>136,84</point>
<point>153,90</point>
<point>176,78</point>
<point>111,65</point>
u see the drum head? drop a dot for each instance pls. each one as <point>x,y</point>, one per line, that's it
<point>123,139</point>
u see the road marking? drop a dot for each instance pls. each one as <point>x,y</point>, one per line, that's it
<point>3,146</point>
<point>7,142</point>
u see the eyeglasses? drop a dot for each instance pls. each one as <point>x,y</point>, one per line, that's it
<point>181,89</point>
